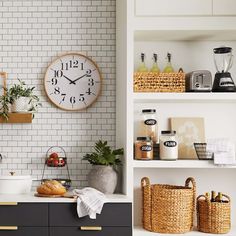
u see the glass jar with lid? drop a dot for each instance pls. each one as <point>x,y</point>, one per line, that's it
<point>168,145</point>
<point>143,148</point>
<point>149,125</point>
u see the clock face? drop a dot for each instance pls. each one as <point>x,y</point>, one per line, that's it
<point>72,82</point>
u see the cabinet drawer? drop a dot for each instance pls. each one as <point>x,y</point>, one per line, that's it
<point>173,7</point>
<point>105,231</point>
<point>24,214</point>
<point>113,214</point>
<point>226,7</point>
<point>26,231</point>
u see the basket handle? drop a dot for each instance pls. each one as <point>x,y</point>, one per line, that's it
<point>187,182</point>
<point>226,196</point>
<point>192,180</point>
<point>145,182</point>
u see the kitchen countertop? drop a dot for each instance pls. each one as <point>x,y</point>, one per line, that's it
<point>112,198</point>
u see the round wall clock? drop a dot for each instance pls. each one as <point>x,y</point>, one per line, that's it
<point>73,82</point>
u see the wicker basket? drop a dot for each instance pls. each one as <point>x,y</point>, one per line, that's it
<point>168,208</point>
<point>213,217</point>
<point>159,82</point>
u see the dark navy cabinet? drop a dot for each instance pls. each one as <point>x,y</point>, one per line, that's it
<point>60,219</point>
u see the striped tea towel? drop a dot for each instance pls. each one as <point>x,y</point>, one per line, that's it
<point>89,202</point>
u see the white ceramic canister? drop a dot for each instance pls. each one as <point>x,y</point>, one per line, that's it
<point>15,184</point>
<point>168,145</point>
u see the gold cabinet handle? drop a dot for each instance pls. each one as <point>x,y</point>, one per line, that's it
<point>8,228</point>
<point>91,228</point>
<point>8,203</point>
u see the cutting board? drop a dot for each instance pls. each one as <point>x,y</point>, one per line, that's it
<point>66,195</point>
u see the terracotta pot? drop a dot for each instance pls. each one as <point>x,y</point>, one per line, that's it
<point>103,178</point>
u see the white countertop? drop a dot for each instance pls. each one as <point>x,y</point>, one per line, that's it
<point>113,198</point>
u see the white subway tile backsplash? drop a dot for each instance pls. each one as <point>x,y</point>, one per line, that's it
<point>32,34</point>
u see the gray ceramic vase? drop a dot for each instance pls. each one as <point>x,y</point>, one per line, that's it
<point>103,178</point>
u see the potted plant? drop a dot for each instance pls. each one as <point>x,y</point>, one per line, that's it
<point>102,176</point>
<point>20,98</point>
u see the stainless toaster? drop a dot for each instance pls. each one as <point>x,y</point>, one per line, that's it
<point>198,81</point>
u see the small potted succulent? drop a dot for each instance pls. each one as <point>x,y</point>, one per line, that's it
<point>102,176</point>
<point>19,98</point>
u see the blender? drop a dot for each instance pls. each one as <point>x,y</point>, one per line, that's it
<point>223,59</point>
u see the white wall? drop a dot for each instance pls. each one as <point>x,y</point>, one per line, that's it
<point>32,34</point>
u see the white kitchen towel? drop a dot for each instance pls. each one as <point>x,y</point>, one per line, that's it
<point>89,202</point>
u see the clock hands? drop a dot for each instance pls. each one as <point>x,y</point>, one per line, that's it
<point>71,81</point>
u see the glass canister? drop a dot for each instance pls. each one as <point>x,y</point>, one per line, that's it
<point>143,148</point>
<point>149,125</point>
<point>168,145</point>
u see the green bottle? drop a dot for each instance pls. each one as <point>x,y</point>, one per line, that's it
<point>155,67</point>
<point>142,67</point>
<point>169,68</point>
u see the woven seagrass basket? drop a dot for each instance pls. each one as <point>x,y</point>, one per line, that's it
<point>168,208</point>
<point>213,217</point>
<point>159,82</point>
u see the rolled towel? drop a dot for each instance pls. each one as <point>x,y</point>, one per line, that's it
<point>89,202</point>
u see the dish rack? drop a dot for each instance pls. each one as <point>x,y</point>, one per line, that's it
<point>202,153</point>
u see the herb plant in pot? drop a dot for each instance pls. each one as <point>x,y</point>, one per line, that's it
<point>22,98</point>
<point>19,98</point>
<point>103,176</point>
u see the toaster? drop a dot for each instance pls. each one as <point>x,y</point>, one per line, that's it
<point>198,81</point>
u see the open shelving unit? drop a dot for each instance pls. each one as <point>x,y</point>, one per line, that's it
<point>191,40</point>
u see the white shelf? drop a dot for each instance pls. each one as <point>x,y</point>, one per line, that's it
<point>194,164</point>
<point>139,231</point>
<point>184,97</point>
<point>205,28</point>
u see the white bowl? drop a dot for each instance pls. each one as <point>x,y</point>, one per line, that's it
<point>15,184</point>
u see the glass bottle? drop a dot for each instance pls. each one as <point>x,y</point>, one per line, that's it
<point>142,67</point>
<point>213,196</point>
<point>155,67</point>
<point>149,126</point>
<point>169,68</point>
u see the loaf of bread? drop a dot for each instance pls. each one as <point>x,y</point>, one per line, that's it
<point>51,187</point>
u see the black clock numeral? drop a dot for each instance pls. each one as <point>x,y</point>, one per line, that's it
<point>58,73</point>
<point>88,72</point>
<point>81,99</point>
<point>57,91</point>
<point>54,81</point>
<point>64,97</point>
<point>72,100</point>
<point>91,82</point>
<point>82,66</point>
<point>89,91</point>
<point>75,64</point>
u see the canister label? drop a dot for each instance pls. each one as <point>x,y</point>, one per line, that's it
<point>150,122</point>
<point>146,148</point>
<point>170,143</point>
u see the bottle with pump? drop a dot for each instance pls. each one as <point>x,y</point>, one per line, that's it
<point>155,67</point>
<point>142,67</point>
<point>207,195</point>
<point>169,68</point>
<point>219,197</point>
<point>213,196</point>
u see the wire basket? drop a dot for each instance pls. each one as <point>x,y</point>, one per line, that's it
<point>202,153</point>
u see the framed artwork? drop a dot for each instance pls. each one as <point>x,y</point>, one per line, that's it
<point>188,130</point>
<point>3,78</point>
